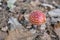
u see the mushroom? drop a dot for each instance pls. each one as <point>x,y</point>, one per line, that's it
<point>37,17</point>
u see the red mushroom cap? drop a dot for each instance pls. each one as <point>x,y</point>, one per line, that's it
<point>37,17</point>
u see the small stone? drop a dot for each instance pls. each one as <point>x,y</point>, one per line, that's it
<point>0,0</point>
<point>34,3</point>
<point>45,5</point>
<point>7,8</point>
<point>4,28</point>
<point>54,13</point>
<point>14,23</point>
<point>11,1</point>
<point>33,31</point>
<point>0,3</point>
<point>43,26</point>
<point>23,11</point>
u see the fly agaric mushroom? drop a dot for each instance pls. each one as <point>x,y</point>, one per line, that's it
<point>37,17</point>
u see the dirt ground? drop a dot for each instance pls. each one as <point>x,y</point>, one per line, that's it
<point>14,23</point>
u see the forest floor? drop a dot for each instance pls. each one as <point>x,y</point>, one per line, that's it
<point>14,23</point>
